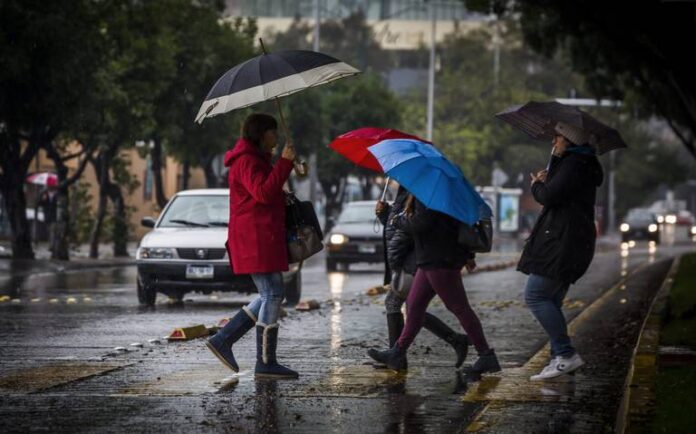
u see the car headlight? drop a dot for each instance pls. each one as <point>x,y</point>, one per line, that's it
<point>624,227</point>
<point>671,219</point>
<point>652,227</point>
<point>338,239</point>
<point>660,219</point>
<point>693,230</point>
<point>154,253</point>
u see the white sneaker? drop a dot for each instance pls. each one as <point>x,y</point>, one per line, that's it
<point>547,369</point>
<point>559,366</point>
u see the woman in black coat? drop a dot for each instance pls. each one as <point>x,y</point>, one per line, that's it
<point>401,261</point>
<point>561,245</point>
<point>439,260</point>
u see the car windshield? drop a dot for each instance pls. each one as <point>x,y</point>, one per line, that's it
<point>357,214</point>
<point>640,216</point>
<point>197,211</point>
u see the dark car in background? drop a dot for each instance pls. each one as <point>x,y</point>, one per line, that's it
<point>356,237</point>
<point>186,251</point>
<point>640,224</point>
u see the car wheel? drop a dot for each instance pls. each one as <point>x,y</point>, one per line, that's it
<point>331,264</point>
<point>293,290</point>
<point>146,296</point>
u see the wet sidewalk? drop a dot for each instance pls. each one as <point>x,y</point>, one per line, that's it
<point>605,335</point>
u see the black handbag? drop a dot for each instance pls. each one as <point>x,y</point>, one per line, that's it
<point>477,238</point>
<point>303,231</point>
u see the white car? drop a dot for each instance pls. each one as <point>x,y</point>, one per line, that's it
<point>186,251</point>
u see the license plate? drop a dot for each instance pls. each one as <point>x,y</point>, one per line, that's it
<point>199,271</point>
<point>367,248</point>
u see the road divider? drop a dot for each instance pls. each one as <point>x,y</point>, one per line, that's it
<point>306,305</point>
<point>188,333</point>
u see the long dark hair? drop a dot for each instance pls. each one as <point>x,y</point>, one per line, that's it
<point>255,125</point>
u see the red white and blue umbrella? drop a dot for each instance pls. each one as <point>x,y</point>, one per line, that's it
<point>48,179</point>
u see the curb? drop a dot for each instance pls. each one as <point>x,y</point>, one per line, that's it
<point>52,267</point>
<point>534,364</point>
<point>639,388</point>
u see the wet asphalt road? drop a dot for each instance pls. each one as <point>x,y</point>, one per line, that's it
<point>59,370</point>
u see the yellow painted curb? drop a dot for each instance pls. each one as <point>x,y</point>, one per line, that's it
<point>644,361</point>
<point>511,387</point>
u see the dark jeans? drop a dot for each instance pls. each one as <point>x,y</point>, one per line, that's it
<point>544,296</point>
<point>447,283</point>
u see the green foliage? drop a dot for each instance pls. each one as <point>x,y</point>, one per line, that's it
<point>318,115</point>
<point>679,327</point>
<point>81,214</point>
<point>205,49</point>
<point>640,59</point>
<point>467,95</point>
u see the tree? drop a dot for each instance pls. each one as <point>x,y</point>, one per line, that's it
<point>639,59</point>
<point>205,47</point>
<point>119,108</point>
<point>316,116</point>
<point>44,46</point>
<point>468,94</point>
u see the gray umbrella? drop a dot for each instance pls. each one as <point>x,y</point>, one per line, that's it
<point>538,120</point>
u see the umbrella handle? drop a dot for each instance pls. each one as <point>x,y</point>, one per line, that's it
<point>384,192</point>
<point>300,166</point>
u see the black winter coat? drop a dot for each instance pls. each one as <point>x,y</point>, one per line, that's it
<point>435,237</point>
<point>562,242</point>
<point>399,248</point>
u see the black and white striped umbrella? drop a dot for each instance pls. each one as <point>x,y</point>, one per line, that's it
<point>270,76</point>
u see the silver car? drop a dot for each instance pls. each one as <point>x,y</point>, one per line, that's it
<point>186,251</point>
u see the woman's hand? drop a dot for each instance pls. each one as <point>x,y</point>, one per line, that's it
<point>470,265</point>
<point>380,207</point>
<point>289,151</point>
<point>540,176</point>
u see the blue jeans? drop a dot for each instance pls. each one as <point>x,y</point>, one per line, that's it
<point>271,293</point>
<point>544,297</point>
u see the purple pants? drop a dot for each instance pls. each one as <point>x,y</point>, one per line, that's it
<point>447,283</point>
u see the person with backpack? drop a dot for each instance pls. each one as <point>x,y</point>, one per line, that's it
<point>439,260</point>
<point>400,259</point>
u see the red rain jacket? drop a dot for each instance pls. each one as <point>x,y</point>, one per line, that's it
<point>256,233</point>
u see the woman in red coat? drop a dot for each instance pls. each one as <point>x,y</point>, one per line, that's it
<point>256,241</point>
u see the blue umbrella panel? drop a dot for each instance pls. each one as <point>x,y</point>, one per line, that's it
<point>434,180</point>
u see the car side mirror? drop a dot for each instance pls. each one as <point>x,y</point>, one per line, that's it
<point>148,222</point>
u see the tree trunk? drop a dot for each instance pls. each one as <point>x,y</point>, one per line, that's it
<point>211,179</point>
<point>185,175</point>
<point>120,231</point>
<point>156,156</point>
<point>61,229</point>
<point>102,172</point>
<point>15,163</point>
<point>16,204</point>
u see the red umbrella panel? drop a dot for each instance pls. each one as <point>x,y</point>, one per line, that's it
<point>353,144</point>
<point>48,179</point>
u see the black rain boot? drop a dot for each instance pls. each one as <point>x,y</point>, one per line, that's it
<point>221,342</point>
<point>486,362</point>
<point>266,363</point>
<point>395,324</point>
<point>394,358</point>
<point>458,341</point>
